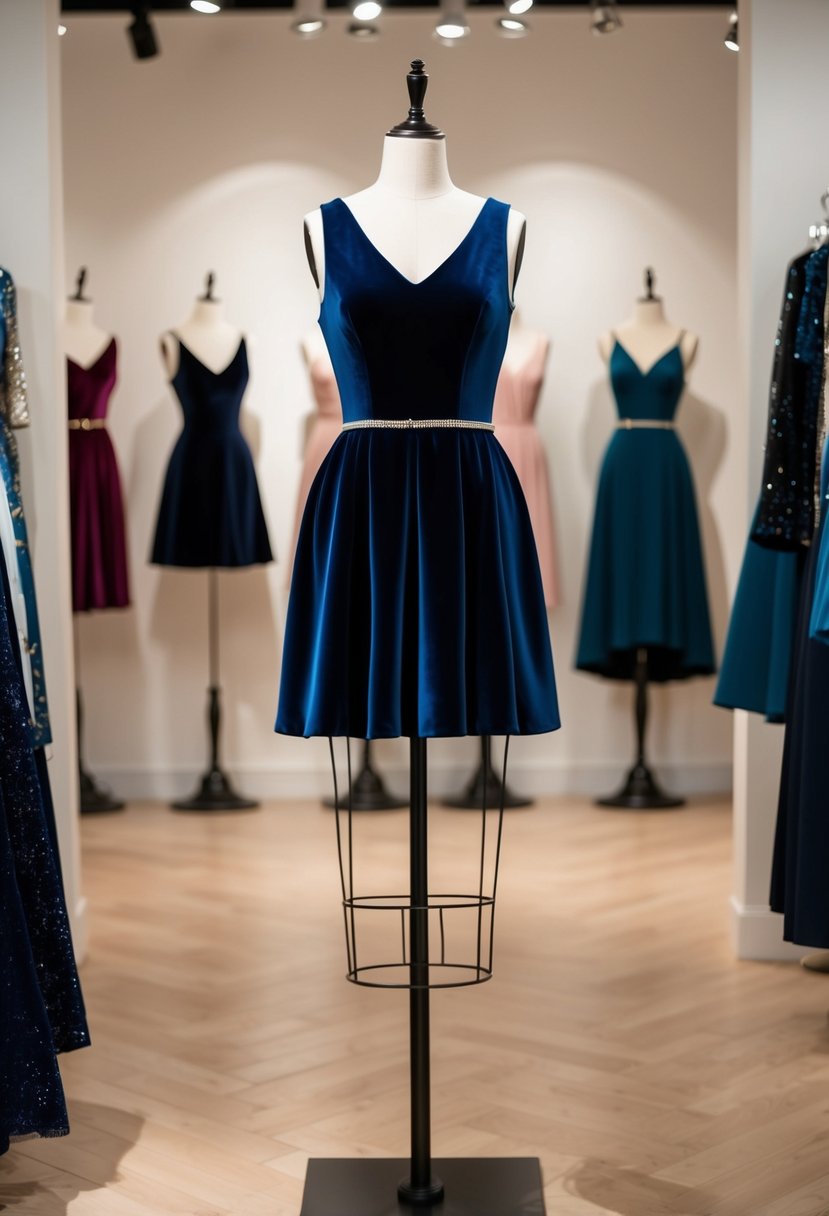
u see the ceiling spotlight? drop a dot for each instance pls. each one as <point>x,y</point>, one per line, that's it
<point>61,30</point>
<point>452,24</point>
<point>516,7</point>
<point>732,38</point>
<point>141,33</point>
<point>605,18</point>
<point>308,19</point>
<point>205,6</point>
<point>366,10</point>
<point>364,30</point>
<point>512,27</point>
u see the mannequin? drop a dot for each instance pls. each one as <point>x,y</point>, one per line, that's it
<point>648,334</point>
<point>206,333</point>
<point>83,340</point>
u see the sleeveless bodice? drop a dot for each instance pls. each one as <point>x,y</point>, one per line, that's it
<point>401,349</point>
<point>653,394</point>
<point>210,401</point>
<point>90,388</point>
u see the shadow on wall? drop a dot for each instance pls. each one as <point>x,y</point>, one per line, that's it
<point>44,1177</point>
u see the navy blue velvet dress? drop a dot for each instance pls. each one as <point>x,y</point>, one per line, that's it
<point>645,576</point>
<point>210,512</point>
<point>41,1008</point>
<point>416,601</point>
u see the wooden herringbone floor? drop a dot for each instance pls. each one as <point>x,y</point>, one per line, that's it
<point>619,1040</point>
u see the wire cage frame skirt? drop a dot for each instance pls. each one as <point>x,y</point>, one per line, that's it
<point>458,925</point>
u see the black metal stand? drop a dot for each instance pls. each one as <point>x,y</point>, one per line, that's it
<point>454,1187</point>
<point>94,798</point>
<point>215,791</point>
<point>641,791</point>
<point>485,787</point>
<point>368,790</point>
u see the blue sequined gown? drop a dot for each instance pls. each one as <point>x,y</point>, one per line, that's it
<point>41,1007</point>
<point>416,601</point>
<point>645,584</point>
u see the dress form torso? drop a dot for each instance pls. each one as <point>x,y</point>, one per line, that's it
<point>647,335</point>
<point>206,333</point>
<point>84,342</point>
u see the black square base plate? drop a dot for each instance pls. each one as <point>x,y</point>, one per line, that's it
<point>473,1186</point>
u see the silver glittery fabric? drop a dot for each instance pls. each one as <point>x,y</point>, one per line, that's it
<point>14,401</point>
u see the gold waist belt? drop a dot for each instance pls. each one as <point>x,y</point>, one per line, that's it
<point>87,424</point>
<point>418,424</point>
<point>651,424</point>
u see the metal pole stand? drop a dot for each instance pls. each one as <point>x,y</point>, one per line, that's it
<point>641,791</point>
<point>368,790</point>
<point>484,787</point>
<point>215,791</point>
<point>94,798</point>
<point>398,1187</point>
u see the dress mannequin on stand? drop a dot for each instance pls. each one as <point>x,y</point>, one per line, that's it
<point>416,536</point>
<point>645,613</point>
<point>99,561</point>
<point>210,515</point>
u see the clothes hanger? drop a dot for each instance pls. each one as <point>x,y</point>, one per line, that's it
<point>819,233</point>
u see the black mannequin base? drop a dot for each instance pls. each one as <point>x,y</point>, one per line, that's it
<point>368,790</point>
<point>94,799</point>
<point>473,1186</point>
<point>215,793</point>
<point>641,792</point>
<point>484,784</point>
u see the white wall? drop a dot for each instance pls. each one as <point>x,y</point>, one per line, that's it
<point>31,246</point>
<point>784,163</point>
<point>622,153</point>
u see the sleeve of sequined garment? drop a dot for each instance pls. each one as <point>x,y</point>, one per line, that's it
<point>14,401</point>
<point>786,514</point>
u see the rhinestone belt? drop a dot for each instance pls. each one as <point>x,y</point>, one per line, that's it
<point>87,424</point>
<point>417,424</point>
<point>657,424</point>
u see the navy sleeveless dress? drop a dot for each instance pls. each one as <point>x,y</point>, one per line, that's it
<point>210,512</point>
<point>645,576</point>
<point>416,600</point>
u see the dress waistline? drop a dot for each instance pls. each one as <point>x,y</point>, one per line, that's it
<point>656,424</point>
<point>417,424</point>
<point>87,424</point>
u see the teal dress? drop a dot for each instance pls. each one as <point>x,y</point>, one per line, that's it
<point>645,583</point>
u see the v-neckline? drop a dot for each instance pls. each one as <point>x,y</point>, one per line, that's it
<point>201,362</point>
<point>656,362</point>
<point>89,366</point>
<point>439,267</point>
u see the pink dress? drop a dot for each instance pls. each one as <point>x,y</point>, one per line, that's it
<point>324,429</point>
<point>516,401</point>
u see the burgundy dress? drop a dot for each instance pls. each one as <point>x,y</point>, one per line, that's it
<point>99,552</point>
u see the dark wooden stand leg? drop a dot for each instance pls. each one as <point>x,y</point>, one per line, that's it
<point>484,787</point>
<point>641,791</point>
<point>368,790</point>
<point>94,798</point>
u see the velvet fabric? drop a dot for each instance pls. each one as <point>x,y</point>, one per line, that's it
<point>41,1010</point>
<point>96,508</point>
<point>210,512</point>
<point>416,600</point>
<point>645,577</point>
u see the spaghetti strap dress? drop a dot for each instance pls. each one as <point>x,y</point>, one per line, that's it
<point>417,606</point>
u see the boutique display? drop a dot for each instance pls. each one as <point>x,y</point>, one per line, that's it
<point>42,1012</point>
<point>416,603</point>
<point>786,517</point>
<point>645,584</point>
<point>99,550</point>
<point>210,513</point>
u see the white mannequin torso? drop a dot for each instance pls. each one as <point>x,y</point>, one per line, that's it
<point>648,335</point>
<point>83,341</point>
<point>206,334</point>
<point>414,215</point>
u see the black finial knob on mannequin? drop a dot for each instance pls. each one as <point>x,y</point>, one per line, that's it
<point>650,279</point>
<point>208,288</point>
<point>416,126</point>
<point>80,281</point>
